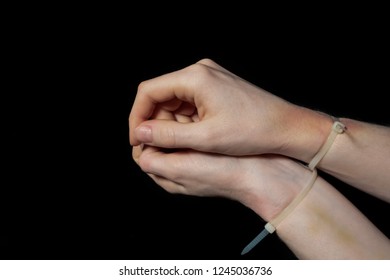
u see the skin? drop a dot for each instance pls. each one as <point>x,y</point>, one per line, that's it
<point>325,225</point>
<point>204,114</point>
<point>226,107</point>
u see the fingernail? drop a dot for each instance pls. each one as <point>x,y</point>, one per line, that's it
<point>144,134</point>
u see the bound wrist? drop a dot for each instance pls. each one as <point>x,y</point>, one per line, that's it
<point>274,186</point>
<point>307,131</point>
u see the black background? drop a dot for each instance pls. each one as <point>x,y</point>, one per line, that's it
<point>75,192</point>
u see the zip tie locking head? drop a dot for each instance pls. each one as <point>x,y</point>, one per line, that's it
<point>339,127</point>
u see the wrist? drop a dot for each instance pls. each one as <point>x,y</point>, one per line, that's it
<point>307,130</point>
<point>273,185</point>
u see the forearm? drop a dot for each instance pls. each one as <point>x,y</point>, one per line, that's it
<point>359,157</point>
<point>327,226</point>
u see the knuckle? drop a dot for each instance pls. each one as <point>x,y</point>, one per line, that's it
<point>145,162</point>
<point>141,87</point>
<point>200,73</point>
<point>206,61</point>
<point>168,137</point>
<point>136,153</point>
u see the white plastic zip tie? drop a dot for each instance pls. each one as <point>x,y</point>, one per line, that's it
<point>270,227</point>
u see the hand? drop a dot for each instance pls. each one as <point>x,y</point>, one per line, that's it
<point>206,108</point>
<point>233,116</point>
<point>266,184</point>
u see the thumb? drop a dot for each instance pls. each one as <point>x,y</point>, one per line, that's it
<point>171,134</point>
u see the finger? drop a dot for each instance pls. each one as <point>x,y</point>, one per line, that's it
<point>186,109</point>
<point>171,105</point>
<point>184,113</point>
<point>163,89</point>
<point>137,151</point>
<point>168,185</point>
<point>183,118</point>
<point>173,134</point>
<point>162,114</point>
<point>166,165</point>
